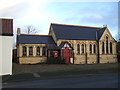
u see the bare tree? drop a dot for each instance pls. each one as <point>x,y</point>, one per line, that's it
<point>118,34</point>
<point>30,29</point>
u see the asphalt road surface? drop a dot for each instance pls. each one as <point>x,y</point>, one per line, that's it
<point>98,81</point>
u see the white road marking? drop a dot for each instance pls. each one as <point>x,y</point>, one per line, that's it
<point>36,75</point>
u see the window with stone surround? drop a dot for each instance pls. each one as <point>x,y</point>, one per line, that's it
<point>90,49</point>
<point>103,48</point>
<point>78,49</point>
<point>106,44</point>
<point>44,51</point>
<point>94,49</point>
<point>82,48</point>
<point>111,47</point>
<point>30,51</point>
<point>38,51</point>
<point>24,51</point>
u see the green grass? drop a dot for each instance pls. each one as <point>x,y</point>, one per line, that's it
<point>20,69</point>
<point>86,69</point>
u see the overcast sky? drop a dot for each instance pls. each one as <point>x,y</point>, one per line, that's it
<point>41,13</point>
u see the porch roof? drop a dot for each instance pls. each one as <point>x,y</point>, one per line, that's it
<point>63,43</point>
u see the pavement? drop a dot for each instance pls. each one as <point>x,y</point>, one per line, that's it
<point>54,74</point>
<point>96,81</point>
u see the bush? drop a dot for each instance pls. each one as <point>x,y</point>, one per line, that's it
<point>57,60</point>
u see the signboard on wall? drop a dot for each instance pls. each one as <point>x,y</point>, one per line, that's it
<point>55,54</point>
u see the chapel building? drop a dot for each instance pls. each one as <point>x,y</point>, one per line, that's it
<point>75,44</point>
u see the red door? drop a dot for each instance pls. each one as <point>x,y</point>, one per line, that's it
<point>66,55</point>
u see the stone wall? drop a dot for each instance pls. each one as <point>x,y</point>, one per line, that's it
<point>92,59</point>
<point>32,60</point>
<point>108,58</point>
<point>82,58</point>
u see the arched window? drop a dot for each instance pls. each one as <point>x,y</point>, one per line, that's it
<point>82,48</point>
<point>110,47</point>
<point>90,49</point>
<point>30,51</point>
<point>24,51</point>
<point>94,48</point>
<point>43,51</point>
<point>106,44</point>
<point>38,51</point>
<point>78,49</point>
<point>103,51</point>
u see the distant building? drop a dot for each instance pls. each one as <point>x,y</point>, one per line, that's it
<point>118,51</point>
<point>75,44</point>
<point>6,42</point>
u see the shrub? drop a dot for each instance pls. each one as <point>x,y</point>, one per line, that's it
<point>57,60</point>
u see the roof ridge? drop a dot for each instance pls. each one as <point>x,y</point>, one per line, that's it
<point>77,25</point>
<point>35,34</point>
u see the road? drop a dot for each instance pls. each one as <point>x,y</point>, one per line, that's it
<point>98,81</point>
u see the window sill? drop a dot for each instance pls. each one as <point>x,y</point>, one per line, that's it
<point>89,54</point>
<point>37,56</point>
<point>30,56</point>
<point>34,56</point>
<point>27,56</point>
<point>43,56</point>
<point>107,54</point>
<point>24,56</point>
<point>82,54</point>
